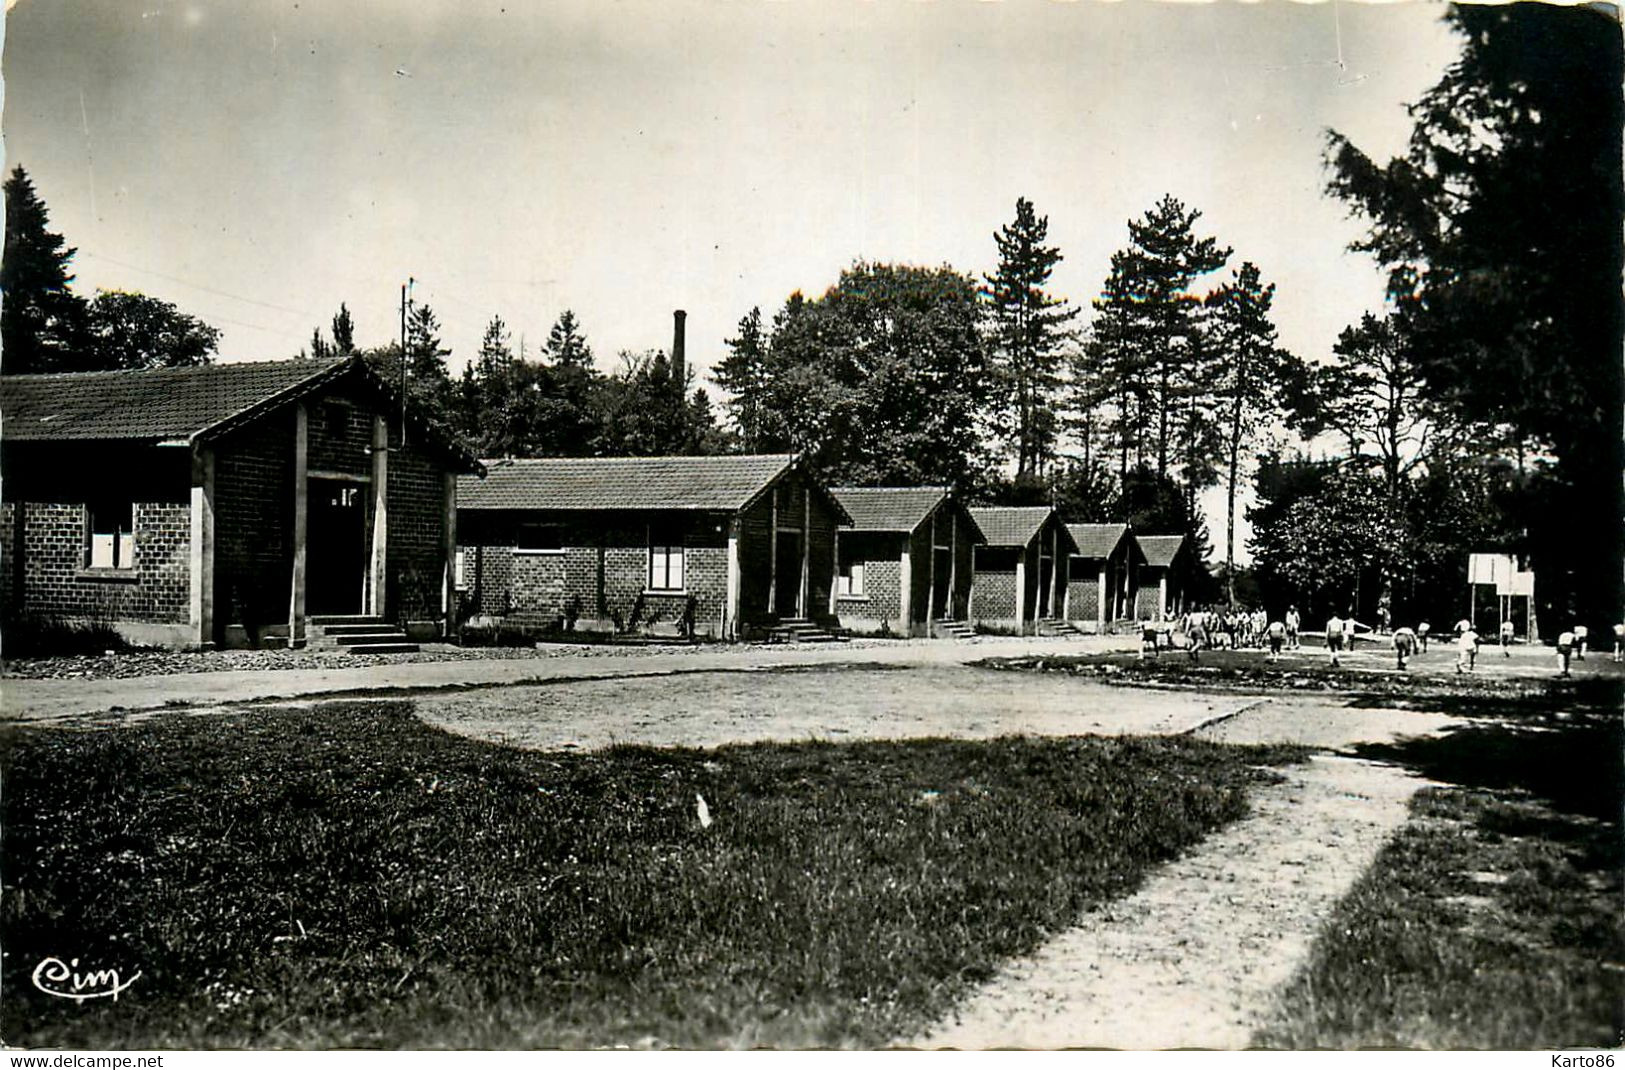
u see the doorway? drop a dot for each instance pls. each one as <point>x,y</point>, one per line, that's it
<point>787,575</point>
<point>942,576</point>
<point>335,547</point>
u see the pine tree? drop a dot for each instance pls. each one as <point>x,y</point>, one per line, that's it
<point>1249,386</point>
<point>566,346</point>
<point>42,322</point>
<point>1147,339</point>
<point>743,373</point>
<point>1030,334</point>
<point>343,332</point>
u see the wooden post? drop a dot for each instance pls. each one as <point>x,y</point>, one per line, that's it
<point>773,557</point>
<point>377,582</point>
<point>1021,592</point>
<point>201,580</point>
<point>835,569</point>
<point>448,545</point>
<point>931,578</point>
<point>730,620</point>
<point>803,607</point>
<point>953,569</point>
<point>301,510</point>
<point>1100,610</point>
<point>1162,598</point>
<point>905,587</point>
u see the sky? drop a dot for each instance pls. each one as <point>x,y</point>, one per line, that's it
<point>258,161</point>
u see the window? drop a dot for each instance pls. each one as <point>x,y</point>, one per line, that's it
<point>540,539</point>
<point>666,567</point>
<point>461,570</point>
<point>112,535</point>
<point>849,582</point>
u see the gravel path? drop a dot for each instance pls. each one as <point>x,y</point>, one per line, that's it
<point>1192,959</point>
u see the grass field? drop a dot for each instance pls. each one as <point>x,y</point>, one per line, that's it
<point>346,876</point>
<point>1493,919</point>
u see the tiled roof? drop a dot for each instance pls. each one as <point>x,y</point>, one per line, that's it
<point>1010,525</point>
<point>888,508</point>
<point>722,483</point>
<point>147,404</point>
<point>1097,541</point>
<point>1160,550</point>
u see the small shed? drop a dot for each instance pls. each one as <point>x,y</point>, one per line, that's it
<point>1102,575</point>
<point>904,561</point>
<point>1163,576</point>
<point>227,504</point>
<point>1020,568</point>
<point>720,547</point>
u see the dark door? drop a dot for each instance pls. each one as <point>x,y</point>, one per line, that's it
<point>335,547</point>
<point>787,575</point>
<point>1046,582</point>
<point>942,594</point>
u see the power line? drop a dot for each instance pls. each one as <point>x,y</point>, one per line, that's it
<point>197,286</point>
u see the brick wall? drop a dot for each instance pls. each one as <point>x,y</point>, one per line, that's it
<point>882,576</point>
<point>338,434</point>
<point>755,560</point>
<point>414,558</point>
<point>995,583</point>
<point>253,545</point>
<point>1083,590</point>
<point>55,578</point>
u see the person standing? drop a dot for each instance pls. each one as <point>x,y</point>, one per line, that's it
<point>1581,633</point>
<point>1292,622</point>
<point>1404,645</point>
<point>1422,635</point>
<point>1619,642</point>
<point>1334,638</point>
<point>1565,647</point>
<point>1467,650</point>
<point>1506,637</point>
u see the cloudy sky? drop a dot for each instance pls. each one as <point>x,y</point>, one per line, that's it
<point>258,161</point>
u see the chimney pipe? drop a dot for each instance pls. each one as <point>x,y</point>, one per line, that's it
<point>677,344</point>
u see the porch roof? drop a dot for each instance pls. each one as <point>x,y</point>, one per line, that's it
<point>901,509</point>
<point>1014,525</point>
<point>1160,550</point>
<point>1097,541</point>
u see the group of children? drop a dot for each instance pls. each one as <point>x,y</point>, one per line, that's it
<point>1207,629</point>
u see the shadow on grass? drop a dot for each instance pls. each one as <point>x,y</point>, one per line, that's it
<point>1574,765</point>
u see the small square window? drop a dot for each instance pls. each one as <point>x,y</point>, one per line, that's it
<point>112,535</point>
<point>460,572</point>
<point>666,567</point>
<point>849,582</point>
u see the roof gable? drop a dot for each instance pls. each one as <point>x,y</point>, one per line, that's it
<point>723,483</point>
<point>889,508</point>
<point>1097,541</point>
<point>1160,550</point>
<point>1013,525</point>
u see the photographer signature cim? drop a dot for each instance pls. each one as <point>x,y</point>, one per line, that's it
<point>63,980</point>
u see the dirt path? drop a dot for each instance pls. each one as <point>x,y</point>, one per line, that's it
<point>1192,959</point>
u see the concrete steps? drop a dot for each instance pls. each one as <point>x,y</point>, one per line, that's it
<point>1055,628</point>
<point>802,630</point>
<point>356,635</point>
<point>956,629</point>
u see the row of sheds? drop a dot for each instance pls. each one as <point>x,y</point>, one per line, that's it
<point>233,504</point>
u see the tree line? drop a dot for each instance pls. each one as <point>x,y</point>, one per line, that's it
<point>1477,410</point>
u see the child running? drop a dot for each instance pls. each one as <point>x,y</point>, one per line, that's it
<point>1275,635</point>
<point>1565,647</point>
<point>1581,632</point>
<point>1506,637</point>
<point>1404,645</point>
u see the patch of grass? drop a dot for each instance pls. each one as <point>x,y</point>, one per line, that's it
<point>346,876</point>
<point>1429,686</point>
<point>1492,920</point>
<point>44,635</point>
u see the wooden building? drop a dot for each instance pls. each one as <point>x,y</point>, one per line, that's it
<point>1102,576</point>
<point>1020,568</point>
<point>226,504</point>
<point>1163,576</point>
<point>716,547</point>
<point>904,562</point>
